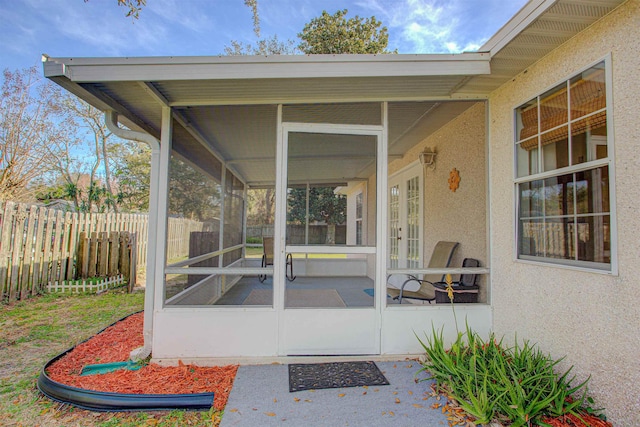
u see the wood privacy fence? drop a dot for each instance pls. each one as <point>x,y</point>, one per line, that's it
<point>106,255</point>
<point>39,245</point>
<point>296,233</point>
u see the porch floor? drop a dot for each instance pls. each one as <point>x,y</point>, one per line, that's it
<point>350,289</point>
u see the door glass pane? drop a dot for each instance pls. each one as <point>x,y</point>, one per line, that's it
<point>394,225</point>
<point>413,222</point>
<point>320,169</point>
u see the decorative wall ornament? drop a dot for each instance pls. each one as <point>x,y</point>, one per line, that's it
<point>454,179</point>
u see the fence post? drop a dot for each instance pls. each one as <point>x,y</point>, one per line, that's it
<point>26,284</point>
<point>114,243</point>
<point>5,247</point>
<point>18,237</point>
<point>93,255</point>
<point>103,249</point>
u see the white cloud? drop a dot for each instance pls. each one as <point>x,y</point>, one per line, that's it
<point>439,26</point>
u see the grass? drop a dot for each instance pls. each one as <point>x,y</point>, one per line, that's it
<point>35,330</point>
<point>256,252</point>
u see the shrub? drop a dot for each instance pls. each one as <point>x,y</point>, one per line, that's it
<point>493,382</point>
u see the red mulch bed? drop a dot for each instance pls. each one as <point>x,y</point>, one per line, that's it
<point>573,421</point>
<point>114,345</point>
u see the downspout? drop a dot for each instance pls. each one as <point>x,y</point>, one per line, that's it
<point>111,120</point>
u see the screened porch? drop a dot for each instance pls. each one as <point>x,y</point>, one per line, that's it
<point>330,210</point>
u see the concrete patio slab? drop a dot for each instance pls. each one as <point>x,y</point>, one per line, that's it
<point>261,397</point>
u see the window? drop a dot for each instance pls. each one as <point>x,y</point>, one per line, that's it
<point>562,174</point>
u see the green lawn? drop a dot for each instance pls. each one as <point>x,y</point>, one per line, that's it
<point>252,252</point>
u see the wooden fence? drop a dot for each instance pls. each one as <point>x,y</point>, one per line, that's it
<point>39,245</point>
<point>106,255</point>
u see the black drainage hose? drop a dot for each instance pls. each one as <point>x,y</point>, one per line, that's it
<point>103,401</point>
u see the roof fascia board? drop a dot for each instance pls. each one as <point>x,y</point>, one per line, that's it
<point>521,20</point>
<point>327,100</point>
<point>223,68</point>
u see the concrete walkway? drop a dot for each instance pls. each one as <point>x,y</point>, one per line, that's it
<point>261,397</point>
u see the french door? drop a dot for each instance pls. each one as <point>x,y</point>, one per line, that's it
<point>405,218</point>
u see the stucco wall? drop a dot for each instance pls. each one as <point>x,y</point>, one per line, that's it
<point>591,318</point>
<point>458,216</point>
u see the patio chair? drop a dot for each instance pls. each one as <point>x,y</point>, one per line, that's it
<point>423,288</point>
<point>267,259</point>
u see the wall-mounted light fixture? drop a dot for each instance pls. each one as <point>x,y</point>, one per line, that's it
<point>428,157</point>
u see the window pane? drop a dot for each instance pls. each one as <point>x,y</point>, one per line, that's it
<point>531,237</point>
<point>559,238</point>
<point>589,138</point>
<point>557,195</point>
<point>527,120</point>
<point>579,151</point>
<point>553,108</point>
<point>594,241</point>
<point>555,149</point>
<point>527,157</point>
<point>531,199</point>
<point>588,91</point>
<point>592,191</point>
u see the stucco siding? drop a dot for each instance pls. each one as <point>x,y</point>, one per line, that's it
<point>458,216</point>
<point>592,318</point>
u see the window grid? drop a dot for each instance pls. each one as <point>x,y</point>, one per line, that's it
<point>554,227</point>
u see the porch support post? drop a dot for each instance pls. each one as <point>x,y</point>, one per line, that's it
<point>306,218</point>
<point>280,223</point>
<point>223,198</point>
<point>161,207</point>
<point>244,223</point>
<point>381,212</point>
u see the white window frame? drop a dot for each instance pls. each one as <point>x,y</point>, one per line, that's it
<point>590,165</point>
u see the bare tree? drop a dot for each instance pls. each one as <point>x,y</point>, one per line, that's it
<point>81,123</point>
<point>27,109</point>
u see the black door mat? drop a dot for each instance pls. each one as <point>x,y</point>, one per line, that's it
<point>314,376</point>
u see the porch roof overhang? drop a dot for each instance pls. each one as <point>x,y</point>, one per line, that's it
<point>213,99</point>
<point>249,87</point>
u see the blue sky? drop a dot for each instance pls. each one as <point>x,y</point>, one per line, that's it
<point>72,28</point>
